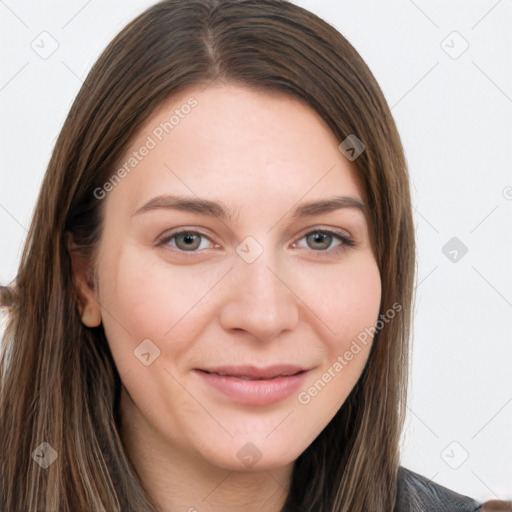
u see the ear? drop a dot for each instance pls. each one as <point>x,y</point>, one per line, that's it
<point>83,282</point>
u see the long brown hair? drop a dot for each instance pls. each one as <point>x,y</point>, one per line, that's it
<point>58,382</point>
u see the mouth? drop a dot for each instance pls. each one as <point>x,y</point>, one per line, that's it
<point>248,372</point>
<point>246,377</point>
<point>253,386</point>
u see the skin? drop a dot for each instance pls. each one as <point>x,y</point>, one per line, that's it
<point>298,302</point>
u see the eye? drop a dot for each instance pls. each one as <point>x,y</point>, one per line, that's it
<point>186,240</point>
<point>321,240</point>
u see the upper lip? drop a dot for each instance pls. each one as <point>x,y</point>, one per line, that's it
<point>253,372</point>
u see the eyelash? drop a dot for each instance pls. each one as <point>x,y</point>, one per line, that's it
<point>346,241</point>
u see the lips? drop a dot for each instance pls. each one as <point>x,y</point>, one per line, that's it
<point>253,386</point>
<point>247,372</point>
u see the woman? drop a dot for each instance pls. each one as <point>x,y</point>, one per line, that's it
<point>212,309</point>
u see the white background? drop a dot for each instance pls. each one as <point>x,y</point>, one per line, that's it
<point>454,116</point>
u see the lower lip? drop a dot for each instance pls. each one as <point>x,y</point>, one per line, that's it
<point>254,392</point>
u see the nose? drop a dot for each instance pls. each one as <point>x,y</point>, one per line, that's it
<point>259,299</point>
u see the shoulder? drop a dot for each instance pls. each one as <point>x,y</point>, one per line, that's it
<point>416,493</point>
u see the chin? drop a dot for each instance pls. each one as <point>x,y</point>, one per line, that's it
<point>245,456</point>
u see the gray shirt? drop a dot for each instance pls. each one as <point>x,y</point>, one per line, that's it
<point>416,493</point>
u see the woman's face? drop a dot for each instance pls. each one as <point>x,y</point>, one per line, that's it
<point>252,289</point>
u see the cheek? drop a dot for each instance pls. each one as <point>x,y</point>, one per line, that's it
<point>145,298</point>
<point>349,303</point>
<point>346,297</point>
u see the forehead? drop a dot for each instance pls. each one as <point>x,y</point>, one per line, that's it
<point>238,144</point>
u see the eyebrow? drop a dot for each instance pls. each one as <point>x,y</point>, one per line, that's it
<point>224,212</point>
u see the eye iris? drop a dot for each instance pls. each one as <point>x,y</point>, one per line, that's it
<point>320,238</point>
<point>189,241</point>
